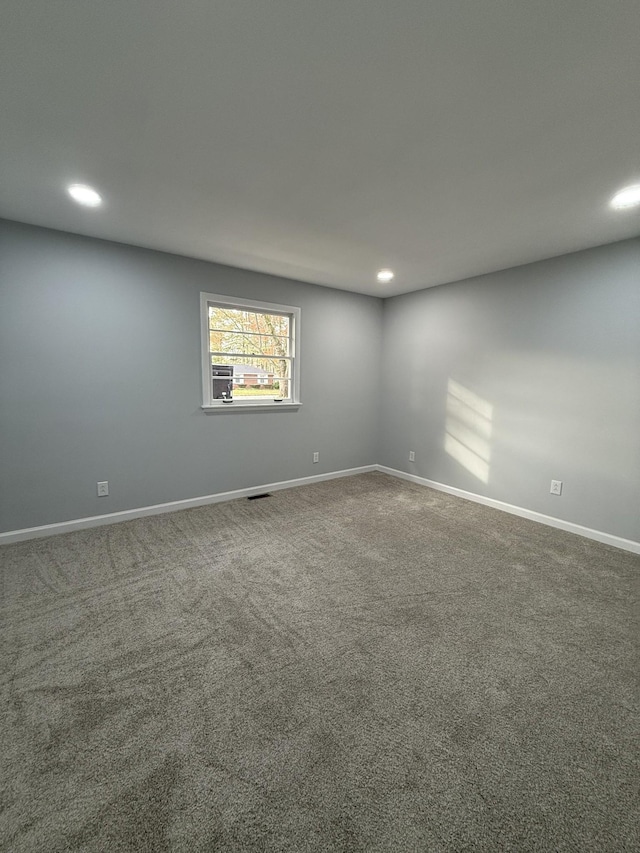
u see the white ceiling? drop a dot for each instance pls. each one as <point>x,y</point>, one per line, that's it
<point>323,139</point>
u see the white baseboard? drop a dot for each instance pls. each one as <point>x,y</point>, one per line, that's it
<point>569,526</point>
<point>172,506</point>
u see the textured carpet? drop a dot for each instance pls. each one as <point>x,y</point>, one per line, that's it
<point>357,665</point>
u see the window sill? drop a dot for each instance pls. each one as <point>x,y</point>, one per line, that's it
<point>249,407</point>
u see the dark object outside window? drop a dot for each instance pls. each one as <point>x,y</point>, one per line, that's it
<point>222,381</point>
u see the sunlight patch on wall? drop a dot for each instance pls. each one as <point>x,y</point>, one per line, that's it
<point>468,430</point>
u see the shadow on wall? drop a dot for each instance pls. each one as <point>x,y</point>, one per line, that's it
<point>468,430</point>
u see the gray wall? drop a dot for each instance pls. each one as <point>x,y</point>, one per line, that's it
<point>100,380</point>
<point>498,383</point>
<point>503,382</point>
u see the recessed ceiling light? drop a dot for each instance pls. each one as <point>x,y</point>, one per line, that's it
<point>627,197</point>
<point>385,275</point>
<point>84,195</point>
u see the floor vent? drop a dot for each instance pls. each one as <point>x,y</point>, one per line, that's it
<point>257,497</point>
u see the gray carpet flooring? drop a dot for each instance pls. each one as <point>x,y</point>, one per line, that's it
<point>357,665</point>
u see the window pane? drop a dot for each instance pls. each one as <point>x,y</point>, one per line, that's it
<point>248,344</point>
<point>239,320</point>
<point>235,377</point>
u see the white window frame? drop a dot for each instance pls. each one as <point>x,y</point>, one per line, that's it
<point>210,405</point>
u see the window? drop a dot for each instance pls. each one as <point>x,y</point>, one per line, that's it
<point>249,354</point>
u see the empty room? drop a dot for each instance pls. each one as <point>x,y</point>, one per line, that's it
<point>319,426</point>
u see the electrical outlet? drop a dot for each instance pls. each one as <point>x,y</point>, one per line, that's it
<point>556,487</point>
<point>316,456</point>
<point>103,489</point>
<point>412,456</point>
